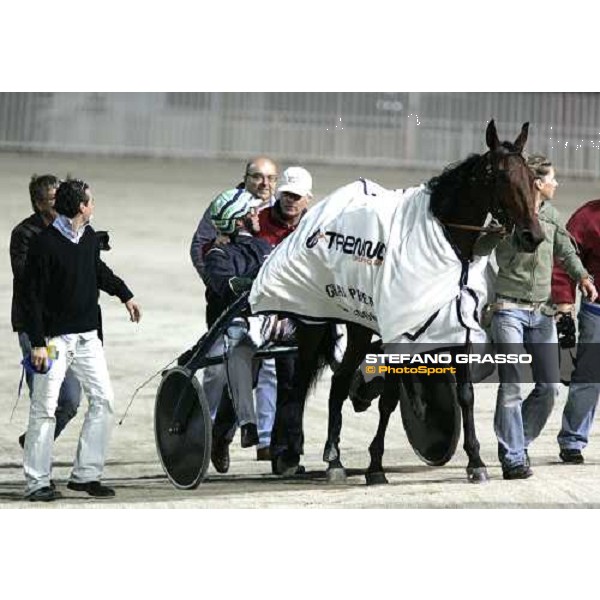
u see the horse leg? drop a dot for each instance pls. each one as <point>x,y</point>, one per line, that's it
<point>388,401</point>
<point>361,392</point>
<point>359,339</point>
<point>476,469</point>
<point>336,473</point>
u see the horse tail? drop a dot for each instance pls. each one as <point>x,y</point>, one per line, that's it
<point>322,353</point>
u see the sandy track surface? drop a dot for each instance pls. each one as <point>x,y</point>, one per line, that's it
<point>151,209</point>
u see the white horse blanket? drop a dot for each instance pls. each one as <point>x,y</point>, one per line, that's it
<point>378,258</point>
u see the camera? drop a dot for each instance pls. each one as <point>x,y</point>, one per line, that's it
<point>565,328</point>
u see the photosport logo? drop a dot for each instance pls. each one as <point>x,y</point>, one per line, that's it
<point>438,363</point>
<point>420,370</point>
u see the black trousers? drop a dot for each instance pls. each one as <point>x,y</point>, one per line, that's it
<point>225,420</point>
<point>287,436</point>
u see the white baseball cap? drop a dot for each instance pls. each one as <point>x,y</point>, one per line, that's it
<point>295,180</point>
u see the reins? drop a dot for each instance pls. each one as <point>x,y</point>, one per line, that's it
<point>495,229</point>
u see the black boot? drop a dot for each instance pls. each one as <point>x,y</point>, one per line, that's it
<point>219,455</point>
<point>249,435</point>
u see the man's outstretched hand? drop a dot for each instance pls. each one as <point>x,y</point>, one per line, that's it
<point>134,310</point>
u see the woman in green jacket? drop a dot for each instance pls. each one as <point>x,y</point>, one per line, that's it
<point>523,322</point>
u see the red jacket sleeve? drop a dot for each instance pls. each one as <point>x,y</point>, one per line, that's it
<point>563,287</point>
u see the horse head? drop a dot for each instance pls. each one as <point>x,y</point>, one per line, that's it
<point>513,200</point>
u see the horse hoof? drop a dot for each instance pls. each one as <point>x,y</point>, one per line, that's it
<point>331,454</point>
<point>376,478</point>
<point>337,475</point>
<point>478,475</point>
<point>360,405</point>
<point>288,469</point>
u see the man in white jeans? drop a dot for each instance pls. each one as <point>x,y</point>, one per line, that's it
<point>65,273</point>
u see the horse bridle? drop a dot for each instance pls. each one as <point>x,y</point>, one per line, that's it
<point>497,211</point>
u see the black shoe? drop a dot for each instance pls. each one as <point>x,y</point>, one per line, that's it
<point>517,472</point>
<point>571,456</point>
<point>527,459</point>
<point>22,440</point>
<point>249,435</point>
<point>45,494</point>
<point>219,455</point>
<point>92,488</point>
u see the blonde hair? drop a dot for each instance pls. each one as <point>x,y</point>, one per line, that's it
<point>539,165</point>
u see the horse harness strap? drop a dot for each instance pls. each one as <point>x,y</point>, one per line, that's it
<point>494,229</point>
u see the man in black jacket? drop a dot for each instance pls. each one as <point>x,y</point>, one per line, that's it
<point>64,273</point>
<point>42,190</point>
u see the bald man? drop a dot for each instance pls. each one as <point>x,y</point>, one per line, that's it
<point>260,179</point>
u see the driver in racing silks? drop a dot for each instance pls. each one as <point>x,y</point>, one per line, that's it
<point>230,269</point>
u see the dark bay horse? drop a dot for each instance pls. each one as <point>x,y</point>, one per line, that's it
<point>497,182</point>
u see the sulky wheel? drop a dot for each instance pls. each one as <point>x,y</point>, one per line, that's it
<point>182,428</point>
<point>431,417</point>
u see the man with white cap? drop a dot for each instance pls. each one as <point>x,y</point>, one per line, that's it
<point>277,222</point>
<point>293,194</point>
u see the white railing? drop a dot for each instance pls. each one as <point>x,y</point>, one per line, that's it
<point>401,129</point>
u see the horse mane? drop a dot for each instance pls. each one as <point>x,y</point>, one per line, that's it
<point>452,183</point>
<point>460,178</point>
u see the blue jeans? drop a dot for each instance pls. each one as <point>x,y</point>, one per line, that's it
<point>518,422</point>
<point>70,391</point>
<point>584,390</point>
<point>266,399</point>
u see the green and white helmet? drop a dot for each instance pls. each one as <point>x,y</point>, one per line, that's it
<point>229,206</point>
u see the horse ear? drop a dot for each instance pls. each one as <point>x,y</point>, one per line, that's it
<point>522,139</point>
<point>491,136</point>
